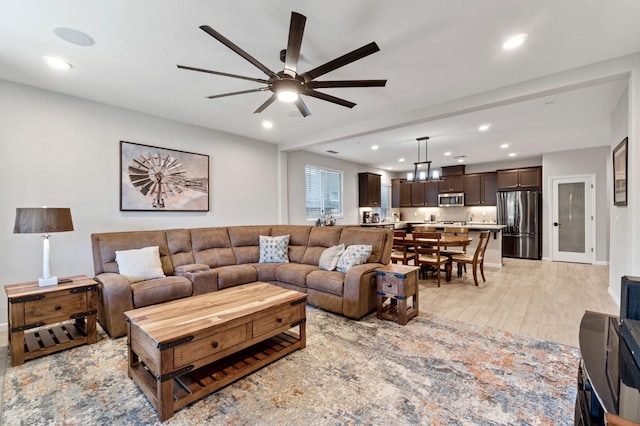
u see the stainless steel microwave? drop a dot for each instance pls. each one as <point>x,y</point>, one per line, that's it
<point>449,200</point>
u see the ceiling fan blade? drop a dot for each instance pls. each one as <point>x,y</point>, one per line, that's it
<point>266,103</point>
<point>341,61</point>
<point>222,39</point>
<point>302,107</point>
<point>242,92</point>
<point>296,30</point>
<point>346,83</point>
<point>325,97</point>
<point>224,74</point>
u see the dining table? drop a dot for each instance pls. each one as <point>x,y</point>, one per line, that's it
<point>446,240</point>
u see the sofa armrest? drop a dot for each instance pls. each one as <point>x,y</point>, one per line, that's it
<point>203,281</point>
<point>114,299</point>
<point>359,294</point>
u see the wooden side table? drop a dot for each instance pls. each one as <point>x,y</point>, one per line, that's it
<point>69,308</point>
<point>397,292</point>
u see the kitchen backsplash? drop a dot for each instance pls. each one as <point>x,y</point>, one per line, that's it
<point>485,214</point>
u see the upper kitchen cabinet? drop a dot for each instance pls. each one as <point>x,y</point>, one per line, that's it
<point>395,193</point>
<point>369,189</point>
<point>530,177</point>
<point>405,194</point>
<point>480,189</point>
<point>414,194</point>
<point>450,184</point>
<point>452,179</point>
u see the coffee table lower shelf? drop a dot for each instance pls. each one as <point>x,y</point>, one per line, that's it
<point>198,383</point>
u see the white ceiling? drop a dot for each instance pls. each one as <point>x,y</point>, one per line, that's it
<point>432,52</point>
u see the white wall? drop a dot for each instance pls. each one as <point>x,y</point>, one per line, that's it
<point>296,194</point>
<point>591,161</point>
<point>620,219</point>
<point>62,151</point>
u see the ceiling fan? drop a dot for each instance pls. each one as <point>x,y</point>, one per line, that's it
<point>287,85</point>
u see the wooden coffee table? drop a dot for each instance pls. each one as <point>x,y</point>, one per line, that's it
<point>183,350</point>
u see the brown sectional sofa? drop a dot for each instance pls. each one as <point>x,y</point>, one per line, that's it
<point>201,260</point>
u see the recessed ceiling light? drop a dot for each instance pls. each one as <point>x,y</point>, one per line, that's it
<point>57,63</point>
<point>267,124</point>
<point>512,154</point>
<point>460,160</point>
<point>484,127</point>
<point>389,168</point>
<point>401,160</point>
<point>448,153</point>
<point>74,36</point>
<point>374,147</point>
<point>513,42</point>
<point>504,145</point>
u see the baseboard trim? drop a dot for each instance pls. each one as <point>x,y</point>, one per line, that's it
<point>494,265</point>
<point>614,297</point>
<point>548,259</point>
<point>4,327</point>
<point>602,262</point>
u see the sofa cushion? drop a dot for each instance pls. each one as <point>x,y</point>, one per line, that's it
<point>320,238</point>
<point>140,264</point>
<point>356,254</point>
<point>179,243</point>
<point>151,292</point>
<point>298,239</point>
<point>274,249</point>
<point>232,275</point>
<point>373,237</point>
<point>245,241</point>
<point>212,247</point>
<point>329,259</point>
<point>266,271</point>
<point>294,273</point>
<point>326,281</point>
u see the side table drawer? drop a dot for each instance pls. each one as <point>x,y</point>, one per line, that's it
<point>390,284</point>
<point>54,308</point>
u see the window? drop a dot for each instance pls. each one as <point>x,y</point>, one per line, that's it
<point>324,192</point>
<point>385,203</point>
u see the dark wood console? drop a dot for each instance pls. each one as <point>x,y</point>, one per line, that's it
<point>608,375</point>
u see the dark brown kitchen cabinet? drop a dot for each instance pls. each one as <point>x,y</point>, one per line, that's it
<point>451,184</point>
<point>405,194</point>
<point>417,194</point>
<point>525,178</point>
<point>369,189</point>
<point>480,189</point>
<point>395,193</point>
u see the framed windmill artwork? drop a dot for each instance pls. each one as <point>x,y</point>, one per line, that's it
<point>160,179</point>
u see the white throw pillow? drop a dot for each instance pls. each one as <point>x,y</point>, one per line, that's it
<point>140,264</point>
<point>356,254</point>
<point>330,256</point>
<point>274,249</point>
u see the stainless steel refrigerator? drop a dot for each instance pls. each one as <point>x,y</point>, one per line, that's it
<point>520,212</point>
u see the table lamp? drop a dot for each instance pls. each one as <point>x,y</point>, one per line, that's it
<point>43,220</point>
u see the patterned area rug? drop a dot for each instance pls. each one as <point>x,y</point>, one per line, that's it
<point>431,371</point>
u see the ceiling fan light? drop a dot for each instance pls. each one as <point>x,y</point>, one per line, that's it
<point>287,96</point>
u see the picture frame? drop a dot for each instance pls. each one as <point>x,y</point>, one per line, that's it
<point>161,179</point>
<point>620,173</point>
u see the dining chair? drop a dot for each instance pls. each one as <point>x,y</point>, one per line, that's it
<point>477,259</point>
<point>399,248</point>
<point>428,252</point>
<point>464,232</point>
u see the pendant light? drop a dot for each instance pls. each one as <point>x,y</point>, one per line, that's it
<point>422,175</point>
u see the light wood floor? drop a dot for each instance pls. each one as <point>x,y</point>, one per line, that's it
<point>529,297</point>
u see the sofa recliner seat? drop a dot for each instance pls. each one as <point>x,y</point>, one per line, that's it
<point>201,260</point>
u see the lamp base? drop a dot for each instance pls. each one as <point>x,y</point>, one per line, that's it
<point>43,282</point>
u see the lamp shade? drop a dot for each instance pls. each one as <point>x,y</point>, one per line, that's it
<point>42,220</point>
